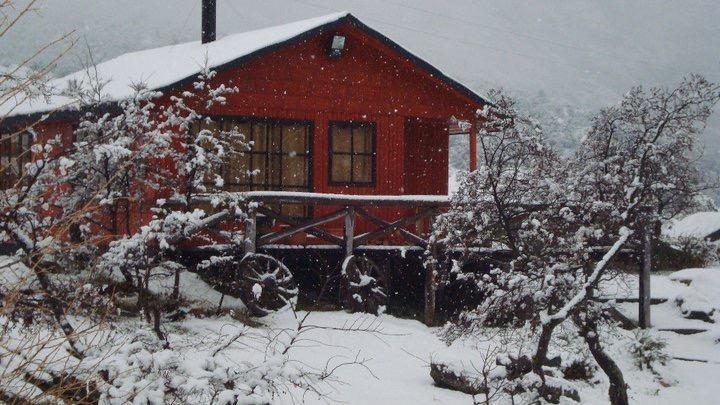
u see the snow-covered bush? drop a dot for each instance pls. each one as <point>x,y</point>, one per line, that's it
<point>648,351</point>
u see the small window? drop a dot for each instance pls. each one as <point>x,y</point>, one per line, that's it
<point>14,154</point>
<point>352,153</point>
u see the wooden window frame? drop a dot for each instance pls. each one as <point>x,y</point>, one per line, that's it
<point>17,158</point>
<point>373,154</point>
<point>268,154</point>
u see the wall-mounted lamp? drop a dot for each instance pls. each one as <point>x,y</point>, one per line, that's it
<point>337,46</point>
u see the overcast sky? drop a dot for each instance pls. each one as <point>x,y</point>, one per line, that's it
<point>578,50</point>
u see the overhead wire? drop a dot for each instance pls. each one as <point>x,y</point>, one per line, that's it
<point>498,49</point>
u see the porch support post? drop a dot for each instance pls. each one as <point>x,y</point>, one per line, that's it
<point>472,138</point>
<point>644,287</point>
<point>430,273</point>
<point>349,231</point>
<point>250,230</point>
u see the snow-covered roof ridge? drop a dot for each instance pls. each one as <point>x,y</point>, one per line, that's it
<point>159,68</point>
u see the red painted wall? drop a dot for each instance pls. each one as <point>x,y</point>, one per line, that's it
<point>426,156</point>
<point>370,82</point>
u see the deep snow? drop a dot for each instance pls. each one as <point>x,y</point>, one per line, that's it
<point>398,352</point>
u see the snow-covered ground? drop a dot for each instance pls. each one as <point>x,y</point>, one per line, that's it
<point>398,366</point>
<point>398,355</point>
<point>395,353</point>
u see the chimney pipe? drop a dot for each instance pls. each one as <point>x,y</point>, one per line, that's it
<point>209,14</point>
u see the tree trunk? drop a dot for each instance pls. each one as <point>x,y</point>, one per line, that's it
<point>542,349</point>
<point>176,286</point>
<point>540,358</point>
<point>58,310</point>
<point>618,388</point>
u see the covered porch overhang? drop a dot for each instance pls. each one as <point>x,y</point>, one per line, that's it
<point>459,127</point>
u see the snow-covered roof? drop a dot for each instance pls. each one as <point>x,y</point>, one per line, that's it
<point>700,225</point>
<point>164,66</point>
<point>159,68</point>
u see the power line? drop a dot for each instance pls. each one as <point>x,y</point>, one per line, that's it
<point>501,50</point>
<point>532,37</point>
<point>454,39</point>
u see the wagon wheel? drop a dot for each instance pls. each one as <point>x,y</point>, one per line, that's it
<point>265,284</point>
<point>363,286</point>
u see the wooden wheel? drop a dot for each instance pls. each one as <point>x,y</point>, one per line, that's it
<point>265,284</point>
<point>363,286</point>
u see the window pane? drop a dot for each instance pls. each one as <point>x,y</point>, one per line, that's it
<point>234,188</point>
<point>293,141</point>
<point>294,172</point>
<point>276,169</point>
<point>362,169</point>
<point>293,210</point>
<point>213,126</point>
<point>236,168</point>
<point>362,139</point>
<point>259,138</point>
<point>26,154</point>
<point>340,168</point>
<point>340,139</point>
<point>276,133</point>
<point>244,129</point>
<point>258,166</point>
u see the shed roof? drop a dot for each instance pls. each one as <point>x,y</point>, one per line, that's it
<point>168,66</point>
<point>700,225</point>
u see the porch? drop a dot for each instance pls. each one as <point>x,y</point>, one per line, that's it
<point>265,227</point>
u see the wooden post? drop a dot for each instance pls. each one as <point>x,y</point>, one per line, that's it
<point>250,230</point>
<point>472,138</point>
<point>430,273</point>
<point>349,231</point>
<point>644,287</point>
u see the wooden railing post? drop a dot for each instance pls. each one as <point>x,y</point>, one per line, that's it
<point>251,230</point>
<point>349,230</point>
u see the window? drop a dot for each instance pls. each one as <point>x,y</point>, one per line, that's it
<point>352,153</point>
<point>279,159</point>
<point>14,154</point>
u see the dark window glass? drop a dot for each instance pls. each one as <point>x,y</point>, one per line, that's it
<point>352,153</point>
<point>14,154</point>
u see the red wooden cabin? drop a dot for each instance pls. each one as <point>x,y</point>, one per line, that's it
<point>350,129</point>
<point>367,118</point>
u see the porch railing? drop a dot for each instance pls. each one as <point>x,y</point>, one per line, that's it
<point>349,207</point>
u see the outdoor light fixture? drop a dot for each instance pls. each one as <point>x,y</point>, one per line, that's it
<point>337,46</point>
